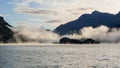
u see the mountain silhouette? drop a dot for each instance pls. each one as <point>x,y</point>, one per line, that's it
<point>5,33</point>
<point>94,20</point>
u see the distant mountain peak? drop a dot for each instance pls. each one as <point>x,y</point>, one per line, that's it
<point>118,13</point>
<point>2,21</point>
<point>1,18</point>
<point>96,12</point>
<point>94,20</point>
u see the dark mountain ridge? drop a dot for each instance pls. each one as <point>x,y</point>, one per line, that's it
<point>5,32</point>
<point>94,19</point>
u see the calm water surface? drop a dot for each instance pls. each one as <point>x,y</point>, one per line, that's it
<point>60,56</point>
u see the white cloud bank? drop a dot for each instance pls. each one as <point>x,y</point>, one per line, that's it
<point>62,5</point>
<point>64,10</point>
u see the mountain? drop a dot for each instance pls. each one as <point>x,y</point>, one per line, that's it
<point>5,32</point>
<point>94,19</point>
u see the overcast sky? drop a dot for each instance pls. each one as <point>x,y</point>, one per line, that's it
<point>51,13</point>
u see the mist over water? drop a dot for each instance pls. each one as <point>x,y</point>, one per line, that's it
<point>30,34</point>
<point>27,33</point>
<point>101,33</point>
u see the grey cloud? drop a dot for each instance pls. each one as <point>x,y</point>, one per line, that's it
<point>79,9</point>
<point>36,11</point>
<point>75,13</point>
<point>84,9</point>
<point>53,21</point>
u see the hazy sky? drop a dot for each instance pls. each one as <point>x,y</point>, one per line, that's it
<point>52,13</point>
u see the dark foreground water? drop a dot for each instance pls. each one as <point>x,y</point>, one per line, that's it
<point>60,56</point>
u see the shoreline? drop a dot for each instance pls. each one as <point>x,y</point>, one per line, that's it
<point>50,44</point>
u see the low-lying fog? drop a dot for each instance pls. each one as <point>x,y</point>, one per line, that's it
<point>26,33</point>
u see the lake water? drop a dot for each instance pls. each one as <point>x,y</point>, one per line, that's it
<point>60,56</point>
